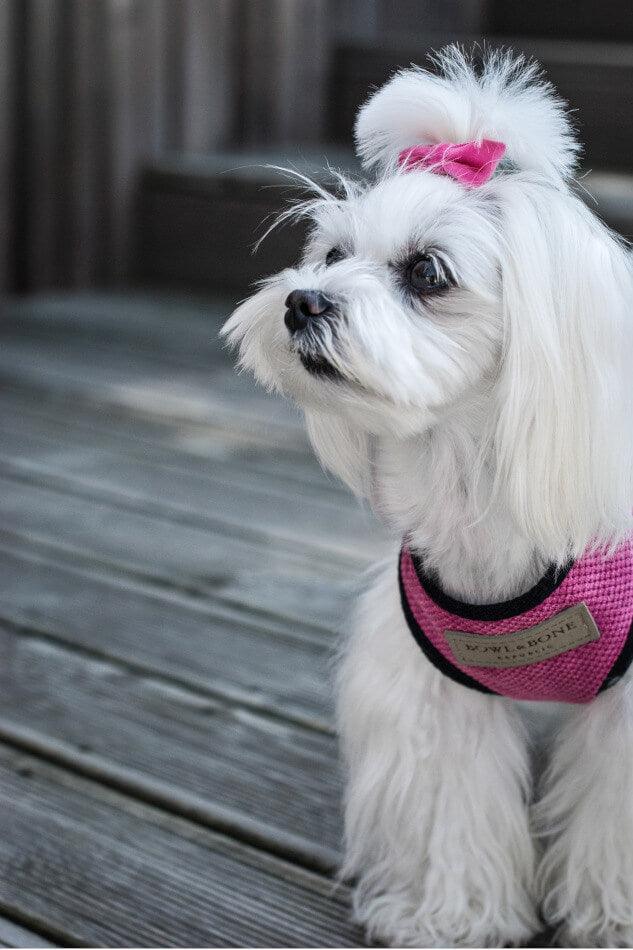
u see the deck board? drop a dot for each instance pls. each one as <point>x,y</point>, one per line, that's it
<point>165,633</point>
<point>15,935</point>
<point>174,567</point>
<point>231,766</point>
<point>280,587</point>
<point>299,520</point>
<point>106,870</point>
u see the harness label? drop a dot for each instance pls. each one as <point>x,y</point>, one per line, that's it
<point>569,629</point>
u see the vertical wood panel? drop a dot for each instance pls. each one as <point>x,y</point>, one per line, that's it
<point>282,95</point>
<point>43,174</point>
<point>8,156</point>
<point>122,27</point>
<point>84,141</point>
<point>199,90</point>
<point>415,18</point>
<point>150,73</point>
<point>207,80</point>
<point>111,83</point>
<point>173,91</point>
<point>355,19</point>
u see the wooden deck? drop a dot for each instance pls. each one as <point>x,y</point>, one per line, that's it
<point>173,568</point>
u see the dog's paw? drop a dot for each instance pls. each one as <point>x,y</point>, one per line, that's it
<point>604,934</point>
<point>391,921</point>
<point>587,900</point>
<point>594,918</point>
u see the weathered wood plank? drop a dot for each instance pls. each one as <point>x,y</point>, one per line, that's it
<point>225,429</point>
<point>263,780</point>
<point>15,935</point>
<point>210,648</point>
<point>116,375</point>
<point>153,354</point>
<point>239,459</point>
<point>300,519</point>
<point>223,449</point>
<point>273,586</point>
<point>103,870</point>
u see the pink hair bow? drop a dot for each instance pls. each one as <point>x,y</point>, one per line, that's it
<point>471,163</point>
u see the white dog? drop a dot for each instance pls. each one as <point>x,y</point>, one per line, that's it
<point>458,336</point>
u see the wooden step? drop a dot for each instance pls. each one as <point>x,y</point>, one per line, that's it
<point>199,217</point>
<point>595,78</point>
<point>199,221</point>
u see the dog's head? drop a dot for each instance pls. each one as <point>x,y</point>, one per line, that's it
<point>448,277</point>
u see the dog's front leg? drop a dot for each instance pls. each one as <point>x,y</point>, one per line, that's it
<point>437,824</point>
<point>585,814</point>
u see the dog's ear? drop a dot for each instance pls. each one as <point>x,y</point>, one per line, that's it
<point>505,100</point>
<point>564,433</point>
<point>341,448</point>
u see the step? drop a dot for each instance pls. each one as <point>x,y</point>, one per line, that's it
<point>595,78</point>
<point>199,217</point>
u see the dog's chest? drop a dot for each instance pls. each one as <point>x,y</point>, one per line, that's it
<point>565,640</point>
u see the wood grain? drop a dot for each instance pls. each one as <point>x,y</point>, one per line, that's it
<point>257,777</point>
<point>15,935</point>
<point>278,588</point>
<point>173,566</point>
<point>210,648</point>
<point>100,869</point>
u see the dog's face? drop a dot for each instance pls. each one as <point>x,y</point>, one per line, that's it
<point>394,312</point>
<point>426,291</point>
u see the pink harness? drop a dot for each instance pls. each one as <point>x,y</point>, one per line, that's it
<point>566,639</point>
<point>572,634</point>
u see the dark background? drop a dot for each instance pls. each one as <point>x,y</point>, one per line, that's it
<point>133,128</point>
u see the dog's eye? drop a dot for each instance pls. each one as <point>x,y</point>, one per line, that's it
<point>333,256</point>
<point>426,275</point>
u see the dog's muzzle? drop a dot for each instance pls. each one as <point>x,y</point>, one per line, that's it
<point>304,308</point>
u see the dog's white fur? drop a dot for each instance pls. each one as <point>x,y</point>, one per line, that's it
<point>492,425</point>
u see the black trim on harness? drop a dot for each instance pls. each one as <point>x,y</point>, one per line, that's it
<point>432,654</point>
<point>622,663</point>
<point>501,611</point>
<point>553,578</point>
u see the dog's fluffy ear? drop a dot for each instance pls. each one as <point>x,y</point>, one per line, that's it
<point>565,425</point>
<point>507,101</point>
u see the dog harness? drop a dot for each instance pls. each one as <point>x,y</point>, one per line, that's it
<point>565,640</point>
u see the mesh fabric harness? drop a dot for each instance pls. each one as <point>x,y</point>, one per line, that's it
<point>603,584</point>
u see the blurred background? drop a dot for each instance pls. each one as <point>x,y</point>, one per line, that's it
<point>174,566</point>
<point>125,121</point>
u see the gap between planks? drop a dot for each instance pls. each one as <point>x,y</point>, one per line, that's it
<point>147,877</point>
<point>288,589</point>
<point>203,751</point>
<point>344,556</point>
<point>229,440</point>
<point>14,933</point>
<point>193,808</point>
<point>224,692</point>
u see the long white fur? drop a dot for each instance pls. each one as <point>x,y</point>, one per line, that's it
<point>509,102</point>
<point>491,425</point>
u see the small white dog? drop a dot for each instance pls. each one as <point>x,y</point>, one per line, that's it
<point>458,336</point>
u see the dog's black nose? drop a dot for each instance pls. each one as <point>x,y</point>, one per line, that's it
<point>303,306</point>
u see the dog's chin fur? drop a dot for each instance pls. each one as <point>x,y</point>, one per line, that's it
<point>491,424</point>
